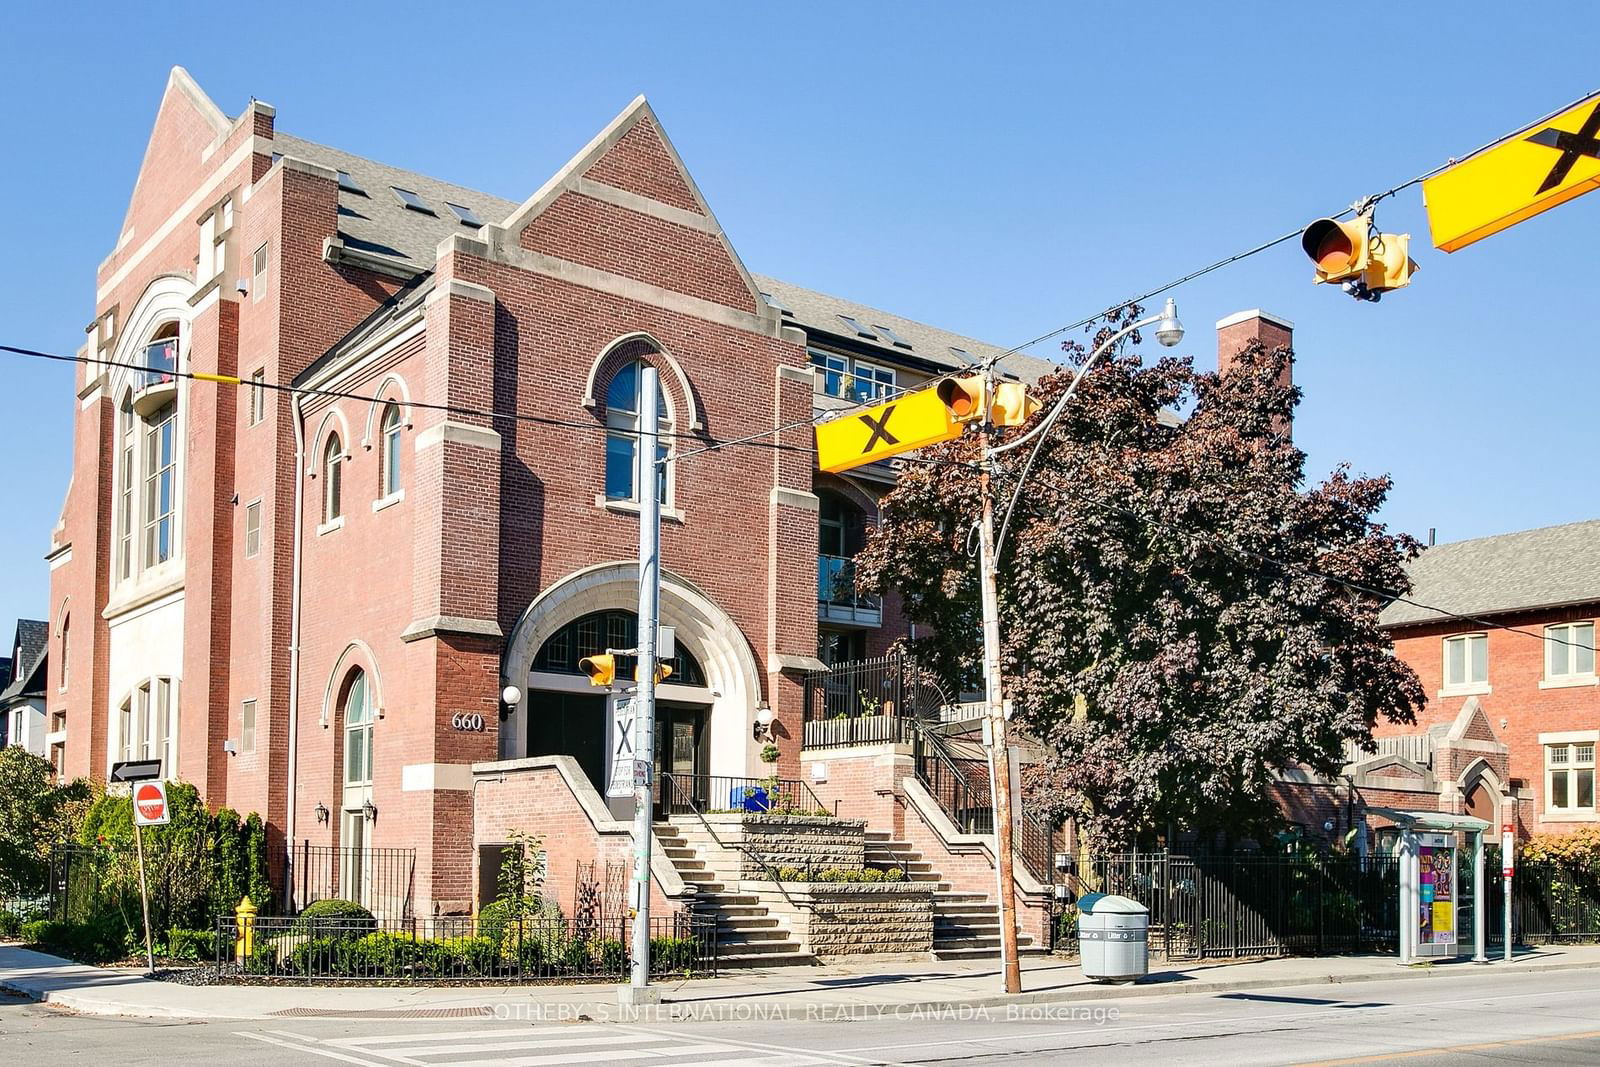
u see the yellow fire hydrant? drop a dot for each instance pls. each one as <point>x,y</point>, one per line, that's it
<point>245,942</point>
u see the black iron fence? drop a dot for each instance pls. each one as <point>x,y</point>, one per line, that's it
<point>379,879</point>
<point>505,948</point>
<point>89,881</point>
<point>686,794</point>
<point>1318,904</point>
<point>870,701</point>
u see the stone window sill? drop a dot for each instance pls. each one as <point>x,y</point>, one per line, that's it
<point>389,501</point>
<point>330,526</point>
<point>631,507</point>
<point>1575,681</point>
<point>1476,689</point>
<point>1571,816</point>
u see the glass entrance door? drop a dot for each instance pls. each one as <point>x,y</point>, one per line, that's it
<point>681,745</point>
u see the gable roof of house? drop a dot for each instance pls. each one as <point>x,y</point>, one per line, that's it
<point>374,220</point>
<point>1523,571</point>
<point>30,645</point>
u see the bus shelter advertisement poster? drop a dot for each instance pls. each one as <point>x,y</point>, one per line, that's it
<point>1438,916</point>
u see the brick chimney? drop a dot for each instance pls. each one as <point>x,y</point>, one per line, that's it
<point>1236,332</point>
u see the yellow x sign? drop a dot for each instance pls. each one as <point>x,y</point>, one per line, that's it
<point>907,422</point>
<point>1529,172</point>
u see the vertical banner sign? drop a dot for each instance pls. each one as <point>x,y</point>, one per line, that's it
<point>1508,850</point>
<point>1436,917</point>
<point>620,782</point>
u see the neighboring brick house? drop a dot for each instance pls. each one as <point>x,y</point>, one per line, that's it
<point>1513,714</point>
<point>307,603</point>
<point>22,681</point>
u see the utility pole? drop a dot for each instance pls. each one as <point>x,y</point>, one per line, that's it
<point>644,736</point>
<point>999,747</point>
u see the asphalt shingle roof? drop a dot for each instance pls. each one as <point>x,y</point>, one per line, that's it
<point>374,220</point>
<point>1520,571</point>
<point>31,644</point>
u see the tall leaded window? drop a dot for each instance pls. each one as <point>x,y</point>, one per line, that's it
<point>160,484</point>
<point>622,437</point>
<point>390,434</point>
<point>125,477</point>
<point>357,732</point>
<point>332,495</point>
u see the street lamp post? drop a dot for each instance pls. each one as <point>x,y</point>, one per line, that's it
<point>1169,331</point>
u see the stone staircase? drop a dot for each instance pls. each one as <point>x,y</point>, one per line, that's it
<point>965,925</point>
<point>748,935</point>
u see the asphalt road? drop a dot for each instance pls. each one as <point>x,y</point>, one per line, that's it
<point>1536,1018</point>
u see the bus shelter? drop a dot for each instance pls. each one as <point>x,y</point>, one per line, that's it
<point>1430,883</point>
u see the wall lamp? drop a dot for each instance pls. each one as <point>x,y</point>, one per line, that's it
<point>763,727</point>
<point>323,814</point>
<point>370,810</point>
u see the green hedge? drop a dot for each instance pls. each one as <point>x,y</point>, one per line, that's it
<point>841,874</point>
<point>93,942</point>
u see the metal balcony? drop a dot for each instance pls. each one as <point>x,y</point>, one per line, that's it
<point>156,381</point>
<point>837,599</point>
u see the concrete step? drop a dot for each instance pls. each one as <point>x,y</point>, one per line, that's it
<point>743,939</point>
<point>747,922</point>
<point>794,958</point>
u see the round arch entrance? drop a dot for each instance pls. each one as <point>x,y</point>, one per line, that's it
<point>725,699</point>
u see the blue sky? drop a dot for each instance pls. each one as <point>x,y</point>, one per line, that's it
<point>994,169</point>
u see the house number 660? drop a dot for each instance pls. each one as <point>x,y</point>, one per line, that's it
<point>466,721</point>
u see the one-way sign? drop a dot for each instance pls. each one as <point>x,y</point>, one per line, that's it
<point>136,770</point>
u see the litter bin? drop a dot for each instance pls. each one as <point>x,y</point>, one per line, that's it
<point>1113,938</point>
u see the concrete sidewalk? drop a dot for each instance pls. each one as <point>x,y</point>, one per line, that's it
<point>836,991</point>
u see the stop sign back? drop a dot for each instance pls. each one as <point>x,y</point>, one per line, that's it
<point>150,803</point>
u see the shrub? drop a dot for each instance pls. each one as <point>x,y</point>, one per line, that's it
<point>191,944</point>
<point>335,918</point>
<point>35,813</point>
<point>92,942</point>
<point>613,957</point>
<point>10,924</point>
<point>674,953</point>
<point>841,874</point>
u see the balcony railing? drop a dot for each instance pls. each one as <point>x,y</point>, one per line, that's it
<point>870,701</point>
<point>156,379</point>
<point>837,599</point>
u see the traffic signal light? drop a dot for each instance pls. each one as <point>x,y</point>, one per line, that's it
<point>602,669</point>
<point>963,396</point>
<point>1391,266</point>
<point>1340,250</point>
<point>1010,406</point>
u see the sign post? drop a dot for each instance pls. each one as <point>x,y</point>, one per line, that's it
<point>1508,865</point>
<point>149,809</point>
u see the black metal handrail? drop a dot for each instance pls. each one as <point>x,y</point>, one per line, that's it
<point>716,792</point>
<point>965,800</point>
<point>671,787</point>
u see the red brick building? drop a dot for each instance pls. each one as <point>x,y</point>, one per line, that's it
<point>1513,715</point>
<point>308,601</point>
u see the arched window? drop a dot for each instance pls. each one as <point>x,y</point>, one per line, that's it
<point>593,634</point>
<point>125,483</point>
<point>390,435</point>
<point>147,727</point>
<point>66,648</point>
<point>332,497</point>
<point>160,484</point>
<point>357,732</point>
<point>622,440</point>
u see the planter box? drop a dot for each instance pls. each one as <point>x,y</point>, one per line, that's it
<point>853,918</point>
<point>809,842</point>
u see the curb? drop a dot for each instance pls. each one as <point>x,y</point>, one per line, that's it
<point>88,1004</point>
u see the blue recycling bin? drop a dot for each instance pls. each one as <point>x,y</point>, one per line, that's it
<point>748,798</point>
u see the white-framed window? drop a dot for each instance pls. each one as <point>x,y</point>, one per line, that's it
<point>833,372</point>
<point>258,273</point>
<point>622,440</point>
<point>1569,651</point>
<point>160,485</point>
<point>1569,777</point>
<point>66,649</point>
<point>389,434</point>
<point>332,490</point>
<point>858,380</point>
<point>252,529</point>
<point>247,727</point>
<point>125,477</point>
<point>147,724</point>
<point>871,383</point>
<point>258,396</point>
<point>1466,661</point>
<point>357,733</point>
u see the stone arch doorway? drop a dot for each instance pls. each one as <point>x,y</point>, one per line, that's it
<point>1481,792</point>
<point>715,658</point>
